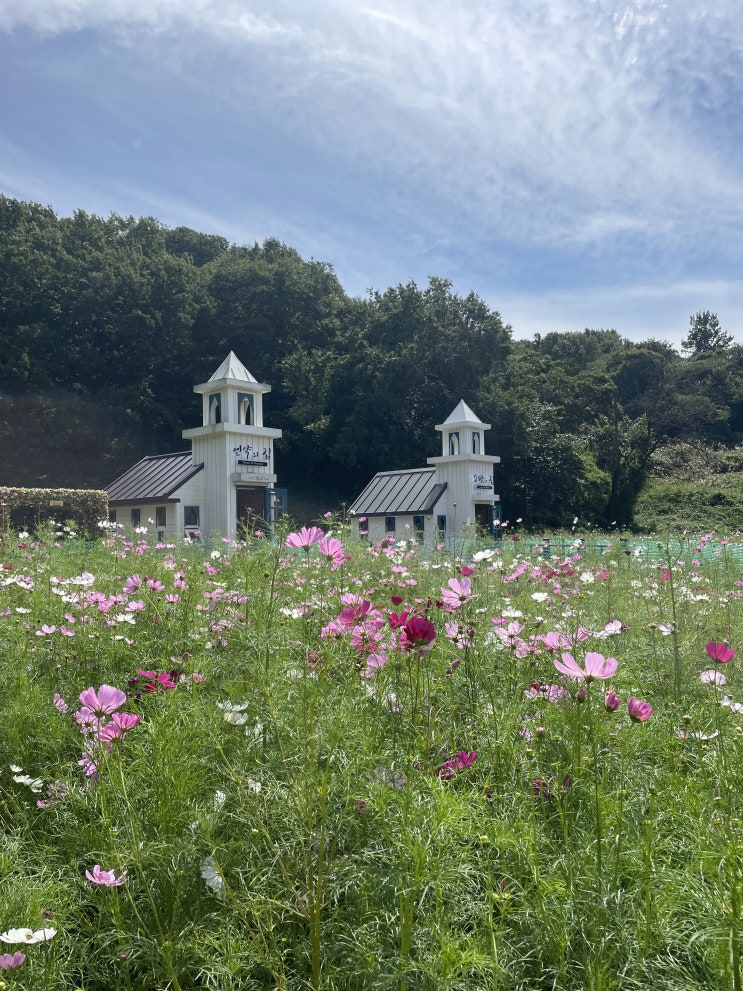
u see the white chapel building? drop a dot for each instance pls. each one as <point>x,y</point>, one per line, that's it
<point>225,481</point>
<point>456,492</point>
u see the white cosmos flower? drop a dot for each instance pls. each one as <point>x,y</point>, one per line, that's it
<point>736,707</point>
<point>712,677</point>
<point>35,784</point>
<point>684,734</point>
<point>27,935</point>
<point>540,596</point>
<point>212,877</point>
<point>235,718</point>
<point>483,555</point>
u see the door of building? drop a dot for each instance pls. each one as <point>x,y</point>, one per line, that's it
<point>485,517</point>
<point>250,508</point>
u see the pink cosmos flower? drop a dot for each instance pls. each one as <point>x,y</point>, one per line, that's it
<point>10,960</point>
<point>107,879</point>
<point>639,711</point>
<point>374,662</point>
<point>597,667</point>
<point>332,549</point>
<point>105,701</point>
<point>306,537</point>
<point>126,720</point>
<point>612,701</point>
<point>60,704</point>
<point>719,652</point>
<point>458,592</point>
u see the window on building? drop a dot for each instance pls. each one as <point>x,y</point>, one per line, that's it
<point>136,517</point>
<point>161,515</point>
<point>215,408</point>
<point>389,524</point>
<point>191,517</point>
<point>244,408</point>
<point>476,443</point>
<point>112,516</point>
<point>454,442</point>
<point>441,525</point>
<point>419,527</point>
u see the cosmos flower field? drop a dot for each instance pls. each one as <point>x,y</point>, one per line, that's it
<point>311,763</point>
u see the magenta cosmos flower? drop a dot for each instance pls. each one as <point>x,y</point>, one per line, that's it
<point>306,537</point>
<point>720,652</point>
<point>418,633</point>
<point>463,758</point>
<point>107,879</point>
<point>639,711</point>
<point>597,667</point>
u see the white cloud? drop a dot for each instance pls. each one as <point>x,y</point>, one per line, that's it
<point>595,129</point>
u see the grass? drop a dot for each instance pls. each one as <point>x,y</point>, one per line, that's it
<point>288,813</point>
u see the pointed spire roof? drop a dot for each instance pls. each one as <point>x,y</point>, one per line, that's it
<point>463,414</point>
<point>233,368</point>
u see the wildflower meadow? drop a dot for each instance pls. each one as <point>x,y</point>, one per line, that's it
<point>306,762</point>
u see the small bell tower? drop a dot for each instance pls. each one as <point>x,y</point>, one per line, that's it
<point>235,449</point>
<point>469,497</point>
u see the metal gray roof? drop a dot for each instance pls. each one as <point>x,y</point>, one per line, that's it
<point>392,492</point>
<point>232,368</point>
<point>153,479</point>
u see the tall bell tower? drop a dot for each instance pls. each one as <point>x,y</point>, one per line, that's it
<point>235,449</point>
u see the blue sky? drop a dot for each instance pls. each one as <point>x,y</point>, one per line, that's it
<point>577,163</point>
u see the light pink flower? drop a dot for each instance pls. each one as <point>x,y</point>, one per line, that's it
<point>106,700</point>
<point>458,592</point>
<point>332,549</point>
<point>306,537</point>
<point>612,701</point>
<point>107,879</point>
<point>10,960</point>
<point>597,667</point>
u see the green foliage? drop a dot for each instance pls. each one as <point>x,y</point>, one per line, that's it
<point>715,502</point>
<point>706,334</point>
<point>282,821</point>
<point>106,325</point>
<point>87,506</point>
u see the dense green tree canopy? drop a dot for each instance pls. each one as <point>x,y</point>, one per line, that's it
<point>106,325</point>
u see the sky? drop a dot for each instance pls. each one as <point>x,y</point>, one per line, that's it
<point>576,163</point>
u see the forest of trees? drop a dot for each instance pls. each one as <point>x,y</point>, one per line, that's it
<point>106,325</point>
